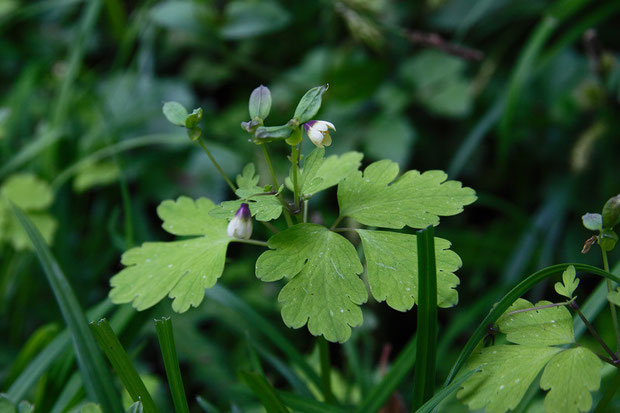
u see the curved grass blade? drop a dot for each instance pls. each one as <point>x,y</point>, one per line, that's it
<point>256,321</point>
<point>431,404</point>
<point>171,362</point>
<point>510,298</point>
<point>303,404</point>
<point>29,376</point>
<point>425,364</point>
<point>206,406</point>
<point>264,391</point>
<point>378,395</point>
<point>113,349</point>
<point>97,380</point>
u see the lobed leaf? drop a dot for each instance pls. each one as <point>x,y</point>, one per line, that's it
<point>324,289</point>
<point>179,269</point>
<point>392,265</point>
<point>547,326</point>
<point>506,372</point>
<point>569,283</point>
<point>417,200</point>
<point>264,207</point>
<point>320,173</point>
<point>570,377</point>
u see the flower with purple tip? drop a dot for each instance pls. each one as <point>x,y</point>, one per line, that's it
<point>241,224</point>
<point>318,132</point>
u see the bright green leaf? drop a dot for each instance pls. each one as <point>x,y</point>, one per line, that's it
<point>570,377</point>
<point>593,222</point>
<point>546,326</point>
<point>393,271</point>
<point>324,289</point>
<point>95,174</point>
<point>506,373</point>
<point>179,269</point>
<point>414,199</point>
<point>6,406</point>
<point>569,283</point>
<point>264,207</point>
<point>175,113</point>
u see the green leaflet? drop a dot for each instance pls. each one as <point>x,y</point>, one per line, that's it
<point>179,269</point>
<point>33,196</point>
<point>393,269</point>
<point>571,376</point>
<point>414,199</point>
<point>264,207</point>
<point>614,297</point>
<point>508,370</point>
<point>547,327</point>
<point>569,283</point>
<point>324,289</point>
<point>506,373</point>
<point>95,174</point>
<point>320,173</point>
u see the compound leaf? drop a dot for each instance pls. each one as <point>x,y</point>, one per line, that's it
<point>506,372</point>
<point>392,259</point>
<point>416,200</point>
<point>324,289</point>
<point>546,326</point>
<point>569,283</point>
<point>570,377</point>
<point>179,269</point>
<point>320,173</point>
<point>263,206</point>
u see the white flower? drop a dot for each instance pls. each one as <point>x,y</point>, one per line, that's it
<point>241,224</point>
<point>318,132</point>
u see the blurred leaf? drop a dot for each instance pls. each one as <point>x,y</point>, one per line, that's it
<point>324,289</point>
<point>390,137</point>
<point>438,82</point>
<point>91,408</point>
<point>264,391</point>
<point>391,260</point>
<point>165,337</point>
<point>175,113</point>
<point>243,19</point>
<point>182,15</point>
<point>614,297</point>
<point>417,200</point>
<point>33,196</point>
<point>92,175</point>
<point>7,406</point>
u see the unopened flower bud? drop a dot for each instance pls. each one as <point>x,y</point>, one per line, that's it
<point>318,132</point>
<point>241,224</point>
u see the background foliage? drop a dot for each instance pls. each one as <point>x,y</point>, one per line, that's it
<point>518,101</point>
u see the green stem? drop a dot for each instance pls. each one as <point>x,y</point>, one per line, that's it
<point>326,378</point>
<point>217,165</point>
<point>251,242</point>
<point>294,158</point>
<point>336,222</point>
<point>612,307</point>
<point>593,331</point>
<point>287,216</point>
<point>306,211</point>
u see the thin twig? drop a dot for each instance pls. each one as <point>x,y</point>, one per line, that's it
<point>437,42</point>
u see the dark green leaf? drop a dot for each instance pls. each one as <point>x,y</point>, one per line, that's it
<point>171,362</point>
<point>310,104</point>
<point>264,391</point>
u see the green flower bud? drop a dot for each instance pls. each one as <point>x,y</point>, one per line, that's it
<point>611,212</point>
<point>260,103</point>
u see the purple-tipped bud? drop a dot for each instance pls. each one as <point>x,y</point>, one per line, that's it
<point>241,224</point>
